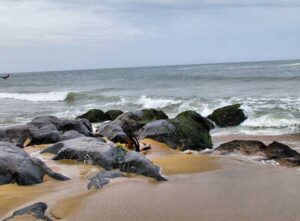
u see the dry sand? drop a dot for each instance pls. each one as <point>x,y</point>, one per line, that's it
<point>200,187</point>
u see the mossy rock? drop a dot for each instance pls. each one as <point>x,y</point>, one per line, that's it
<point>113,114</point>
<point>194,116</point>
<point>228,116</point>
<point>187,131</point>
<point>95,116</point>
<point>192,130</point>
<point>152,114</point>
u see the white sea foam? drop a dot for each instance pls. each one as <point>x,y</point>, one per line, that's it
<point>270,120</point>
<point>148,102</point>
<point>36,97</point>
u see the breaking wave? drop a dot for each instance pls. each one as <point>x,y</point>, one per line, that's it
<point>36,97</point>
<point>148,102</point>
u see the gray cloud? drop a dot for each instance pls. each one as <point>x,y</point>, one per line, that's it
<point>68,34</point>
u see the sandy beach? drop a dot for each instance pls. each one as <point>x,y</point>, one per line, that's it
<point>199,187</point>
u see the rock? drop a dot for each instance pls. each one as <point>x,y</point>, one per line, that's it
<point>36,210</point>
<point>228,116</point>
<point>45,130</point>
<point>95,116</point>
<point>102,178</point>
<point>82,126</point>
<point>247,147</point>
<point>189,130</point>
<point>95,151</point>
<point>279,152</point>
<point>131,121</point>
<point>283,154</point>
<point>71,134</point>
<point>113,114</point>
<point>17,166</point>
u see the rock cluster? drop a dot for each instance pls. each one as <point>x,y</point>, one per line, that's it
<point>279,152</point>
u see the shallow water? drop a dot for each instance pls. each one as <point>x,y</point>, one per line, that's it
<point>269,92</point>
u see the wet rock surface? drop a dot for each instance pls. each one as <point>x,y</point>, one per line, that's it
<point>95,116</point>
<point>37,211</point>
<point>103,178</point>
<point>279,152</point>
<point>17,166</point>
<point>130,121</point>
<point>283,154</point>
<point>45,130</point>
<point>113,114</point>
<point>247,147</point>
<point>188,130</point>
<point>228,116</point>
<point>95,151</point>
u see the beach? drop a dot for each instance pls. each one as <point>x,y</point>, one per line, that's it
<point>69,137</point>
<point>199,186</point>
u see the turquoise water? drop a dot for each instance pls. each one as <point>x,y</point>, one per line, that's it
<point>269,92</point>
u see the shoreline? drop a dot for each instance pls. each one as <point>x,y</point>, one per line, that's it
<point>220,186</point>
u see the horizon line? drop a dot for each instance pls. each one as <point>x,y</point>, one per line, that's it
<point>151,66</point>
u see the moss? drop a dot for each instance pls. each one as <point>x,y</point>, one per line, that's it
<point>153,114</point>
<point>190,132</point>
<point>230,115</point>
<point>94,116</point>
<point>113,114</point>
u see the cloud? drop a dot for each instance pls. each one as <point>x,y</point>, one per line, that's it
<point>25,22</point>
<point>69,22</point>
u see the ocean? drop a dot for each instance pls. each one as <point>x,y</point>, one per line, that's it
<point>268,91</point>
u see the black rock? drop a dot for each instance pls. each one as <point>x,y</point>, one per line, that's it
<point>36,210</point>
<point>109,156</point>
<point>95,116</point>
<point>45,130</point>
<point>102,178</point>
<point>130,121</point>
<point>113,114</point>
<point>247,147</point>
<point>228,116</point>
<point>71,134</point>
<point>17,166</point>
<point>189,130</point>
<point>283,154</point>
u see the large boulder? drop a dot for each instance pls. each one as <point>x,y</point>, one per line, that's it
<point>109,156</point>
<point>17,166</point>
<point>82,126</point>
<point>228,116</point>
<point>36,211</point>
<point>95,116</point>
<point>283,154</point>
<point>247,147</point>
<point>188,130</point>
<point>70,134</point>
<point>129,121</point>
<point>45,130</point>
<point>113,114</point>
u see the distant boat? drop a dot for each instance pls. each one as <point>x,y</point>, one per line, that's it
<point>5,77</point>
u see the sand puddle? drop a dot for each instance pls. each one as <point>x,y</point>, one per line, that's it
<point>175,162</point>
<point>185,163</point>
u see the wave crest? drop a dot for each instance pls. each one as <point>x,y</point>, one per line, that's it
<point>148,102</point>
<point>36,97</point>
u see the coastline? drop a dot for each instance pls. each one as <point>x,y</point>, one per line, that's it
<point>213,188</point>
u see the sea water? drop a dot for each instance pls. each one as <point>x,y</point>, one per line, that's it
<point>268,91</point>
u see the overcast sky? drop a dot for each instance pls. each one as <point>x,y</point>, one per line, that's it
<point>81,34</point>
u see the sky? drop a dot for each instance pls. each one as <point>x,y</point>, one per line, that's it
<point>42,35</point>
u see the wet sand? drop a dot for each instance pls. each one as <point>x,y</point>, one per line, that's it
<point>200,187</point>
<point>238,191</point>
